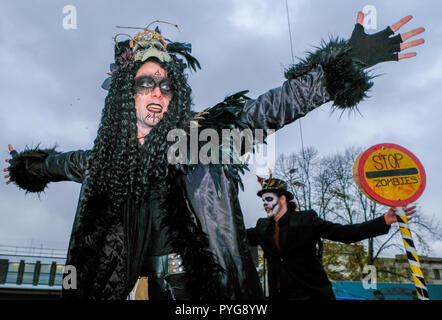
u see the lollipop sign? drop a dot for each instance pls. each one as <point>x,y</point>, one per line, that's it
<point>390,174</point>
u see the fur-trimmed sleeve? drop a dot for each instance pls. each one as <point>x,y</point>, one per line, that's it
<point>346,81</point>
<point>281,106</point>
<point>34,168</point>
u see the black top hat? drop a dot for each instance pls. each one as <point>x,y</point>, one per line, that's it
<point>274,186</point>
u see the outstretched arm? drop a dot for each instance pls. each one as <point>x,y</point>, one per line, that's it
<point>33,169</point>
<point>356,232</point>
<point>351,232</point>
<point>283,105</point>
<point>336,72</point>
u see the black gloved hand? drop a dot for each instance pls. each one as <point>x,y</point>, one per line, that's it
<point>375,48</point>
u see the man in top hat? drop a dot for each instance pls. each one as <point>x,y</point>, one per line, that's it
<point>289,237</point>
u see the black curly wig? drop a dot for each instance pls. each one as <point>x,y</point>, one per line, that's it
<point>119,164</point>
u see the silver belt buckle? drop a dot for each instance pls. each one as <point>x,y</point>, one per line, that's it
<point>175,264</point>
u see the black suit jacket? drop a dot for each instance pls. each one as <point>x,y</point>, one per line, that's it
<point>296,262</point>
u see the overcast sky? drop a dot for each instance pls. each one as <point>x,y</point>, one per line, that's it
<point>50,86</point>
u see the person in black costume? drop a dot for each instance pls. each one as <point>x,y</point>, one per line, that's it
<point>181,223</point>
<point>289,240</point>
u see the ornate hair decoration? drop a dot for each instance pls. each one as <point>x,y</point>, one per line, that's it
<point>145,44</point>
<point>150,43</point>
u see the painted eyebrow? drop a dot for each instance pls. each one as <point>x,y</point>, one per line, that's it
<point>142,79</point>
<point>148,77</point>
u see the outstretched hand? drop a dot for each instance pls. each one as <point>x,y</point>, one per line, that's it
<point>380,47</point>
<point>390,216</point>
<point>7,176</point>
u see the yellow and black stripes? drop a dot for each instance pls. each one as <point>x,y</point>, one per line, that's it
<point>413,259</point>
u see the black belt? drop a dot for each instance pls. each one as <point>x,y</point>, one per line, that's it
<point>165,265</point>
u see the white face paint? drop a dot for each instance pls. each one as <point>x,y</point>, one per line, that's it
<point>272,204</point>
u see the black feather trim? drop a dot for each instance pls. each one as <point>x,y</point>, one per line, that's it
<point>347,82</point>
<point>184,49</point>
<point>225,115</point>
<point>26,168</point>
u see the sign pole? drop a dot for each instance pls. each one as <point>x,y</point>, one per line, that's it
<point>413,259</point>
<point>391,175</point>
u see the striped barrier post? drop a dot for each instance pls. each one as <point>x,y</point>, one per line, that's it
<point>413,259</point>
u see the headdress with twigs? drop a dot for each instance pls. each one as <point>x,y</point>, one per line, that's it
<point>147,44</point>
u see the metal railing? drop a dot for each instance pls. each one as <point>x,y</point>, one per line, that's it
<point>32,251</point>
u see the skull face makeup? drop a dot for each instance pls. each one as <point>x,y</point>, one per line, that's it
<point>271,203</point>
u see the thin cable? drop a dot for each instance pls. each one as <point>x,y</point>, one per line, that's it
<point>293,62</point>
<point>290,31</point>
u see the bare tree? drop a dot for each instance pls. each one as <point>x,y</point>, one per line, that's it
<point>323,186</point>
<point>346,205</point>
<point>297,169</point>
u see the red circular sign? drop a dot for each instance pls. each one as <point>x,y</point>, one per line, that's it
<point>389,174</point>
